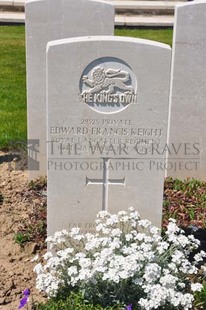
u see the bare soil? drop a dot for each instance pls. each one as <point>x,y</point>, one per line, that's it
<point>16,202</point>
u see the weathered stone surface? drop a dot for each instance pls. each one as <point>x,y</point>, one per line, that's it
<point>107,106</point>
<point>187,139</point>
<point>48,20</point>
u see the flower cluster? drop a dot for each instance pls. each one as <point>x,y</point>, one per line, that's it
<point>125,261</point>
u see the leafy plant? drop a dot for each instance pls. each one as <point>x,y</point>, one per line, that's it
<point>200,298</point>
<point>74,301</point>
<point>124,261</point>
<point>185,201</point>
<point>34,228</point>
<point>21,238</point>
<point>39,184</point>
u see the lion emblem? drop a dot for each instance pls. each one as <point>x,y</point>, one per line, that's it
<point>107,81</point>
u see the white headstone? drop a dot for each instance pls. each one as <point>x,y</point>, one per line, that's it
<point>107,103</point>
<point>187,138</point>
<point>48,20</point>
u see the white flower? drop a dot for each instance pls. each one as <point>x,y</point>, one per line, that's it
<point>100,227</point>
<point>106,231</point>
<point>72,270</point>
<point>124,218</point>
<point>177,256</point>
<point>140,236</point>
<point>38,269</point>
<point>172,267</point>
<point>80,255</point>
<point>123,249</point>
<point>85,262</point>
<point>152,272</point>
<point>35,258</point>
<point>113,219</point>
<point>100,268</point>
<point>115,244</point>
<point>102,214</point>
<point>74,231</point>
<point>162,247</point>
<point>111,275</point>
<point>168,281</point>
<point>196,287</point>
<point>134,214</point>
<point>172,227</point>
<point>128,237</point>
<point>186,301</point>
<point>78,237</point>
<point>116,232</point>
<point>47,255</point>
<point>181,285</point>
<point>122,213</point>
<point>123,274</point>
<point>144,223</point>
<point>199,256</point>
<point>65,254</point>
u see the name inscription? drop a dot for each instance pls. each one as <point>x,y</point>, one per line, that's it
<point>104,137</point>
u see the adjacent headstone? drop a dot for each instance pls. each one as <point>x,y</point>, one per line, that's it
<point>48,20</point>
<point>187,138</point>
<point>107,106</point>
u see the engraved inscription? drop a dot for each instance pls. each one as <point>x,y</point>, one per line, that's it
<point>106,137</point>
<point>107,81</point>
<point>108,85</point>
<point>105,181</point>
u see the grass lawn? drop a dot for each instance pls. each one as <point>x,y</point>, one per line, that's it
<point>13,77</point>
<point>12,85</point>
<point>161,35</point>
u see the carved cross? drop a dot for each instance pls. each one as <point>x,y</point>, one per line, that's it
<point>105,181</point>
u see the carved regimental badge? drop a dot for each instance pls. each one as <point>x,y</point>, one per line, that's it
<point>108,85</point>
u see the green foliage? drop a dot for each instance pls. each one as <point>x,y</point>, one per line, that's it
<point>38,184</point>
<point>200,299</point>
<point>105,292</point>
<point>34,228</point>
<point>72,302</point>
<point>160,35</point>
<point>21,238</point>
<point>185,201</point>
<point>13,77</point>
<point>190,186</point>
<point>12,85</point>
